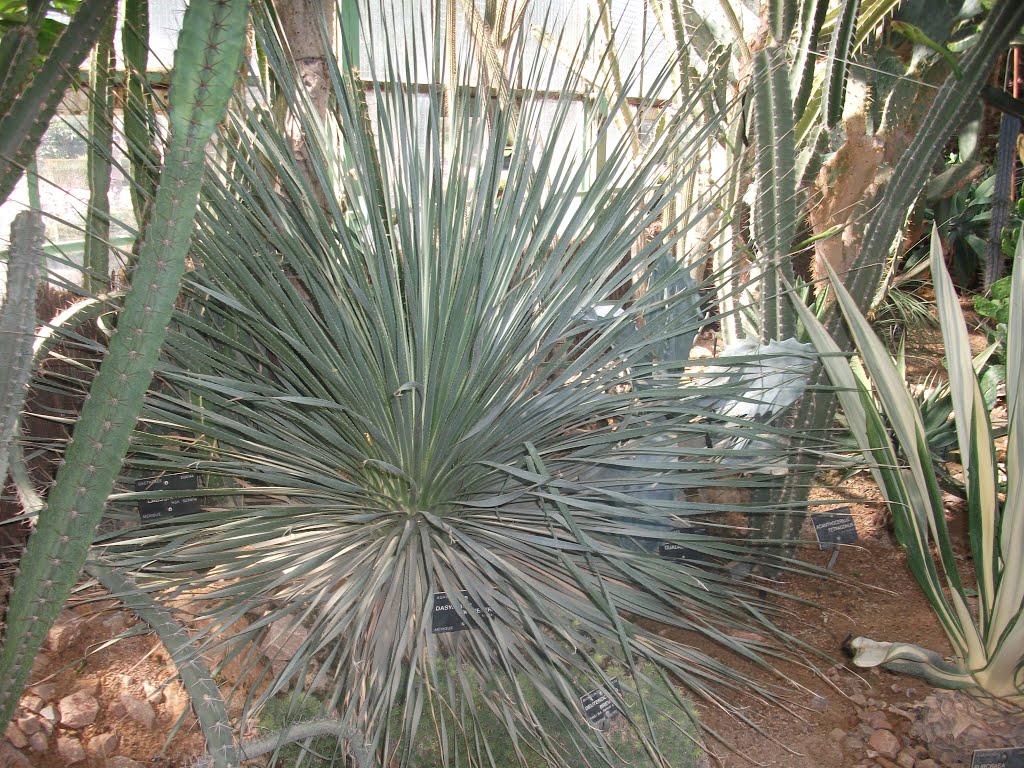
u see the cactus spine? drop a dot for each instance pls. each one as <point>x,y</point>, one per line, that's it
<point>29,106</point>
<point>205,63</point>
<point>18,325</point>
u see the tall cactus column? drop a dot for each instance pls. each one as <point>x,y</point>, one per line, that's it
<point>18,325</point>
<point>205,63</point>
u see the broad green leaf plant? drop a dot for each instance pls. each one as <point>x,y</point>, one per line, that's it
<point>413,372</point>
<point>984,622</point>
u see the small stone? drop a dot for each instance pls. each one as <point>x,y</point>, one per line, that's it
<point>70,749</point>
<point>154,693</point>
<point>138,710</point>
<point>45,691</point>
<point>884,743</point>
<point>876,720</point>
<point>38,741</point>
<point>283,640</point>
<point>78,710</point>
<point>858,699</point>
<point>16,736</point>
<point>926,763</point>
<point>127,681</point>
<point>176,701</point>
<point>906,759</point>
<point>117,710</point>
<point>103,745</point>
<point>837,734</point>
<point>12,758</point>
<point>116,623</point>
<point>62,634</point>
<point>92,687</point>
<point>49,713</point>
<point>32,703</point>
<point>30,724</point>
<point>122,762</point>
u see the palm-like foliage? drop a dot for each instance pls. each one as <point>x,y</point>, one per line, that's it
<point>396,381</point>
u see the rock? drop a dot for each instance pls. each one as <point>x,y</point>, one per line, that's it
<point>30,723</point>
<point>117,710</point>
<point>103,745</point>
<point>70,749</point>
<point>78,710</point>
<point>154,693</point>
<point>837,734</point>
<point>884,743</point>
<point>951,725</point>
<point>63,633</point>
<point>16,736</point>
<point>122,762</point>
<point>12,758</point>
<point>39,741</point>
<point>176,701</point>
<point>32,703</point>
<point>140,711</point>
<point>906,759</point>
<point>859,699</point>
<point>49,713</point>
<point>877,720</point>
<point>45,691</point>
<point>283,640</point>
<point>927,763</point>
<point>116,623</point>
<point>818,703</point>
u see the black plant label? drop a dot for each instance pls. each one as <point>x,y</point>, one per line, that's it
<point>674,550</point>
<point>835,527</point>
<point>998,758</point>
<point>598,707</point>
<point>157,509</point>
<point>447,616</point>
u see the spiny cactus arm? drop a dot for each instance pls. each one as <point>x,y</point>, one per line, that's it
<point>98,165</point>
<point>18,51</point>
<point>359,755</point>
<point>23,124</point>
<point>954,101</point>
<point>206,61</point>
<point>805,58</point>
<point>776,211</point>
<point>840,49</point>
<point>18,325</point>
<point>195,675</point>
<point>138,111</point>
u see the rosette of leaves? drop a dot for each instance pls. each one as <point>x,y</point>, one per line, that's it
<point>392,378</point>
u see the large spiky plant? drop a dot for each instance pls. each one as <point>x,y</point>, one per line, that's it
<point>404,374</point>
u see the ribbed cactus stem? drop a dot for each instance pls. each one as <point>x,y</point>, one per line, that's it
<point>18,325</point>
<point>98,165</point>
<point>207,703</point>
<point>205,63</point>
<point>776,211</point>
<point>24,122</point>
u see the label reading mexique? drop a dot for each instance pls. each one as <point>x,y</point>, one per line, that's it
<point>448,618</point>
<point>155,509</point>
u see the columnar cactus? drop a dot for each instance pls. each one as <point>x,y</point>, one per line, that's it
<point>205,63</point>
<point>18,324</point>
<point>29,105</point>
